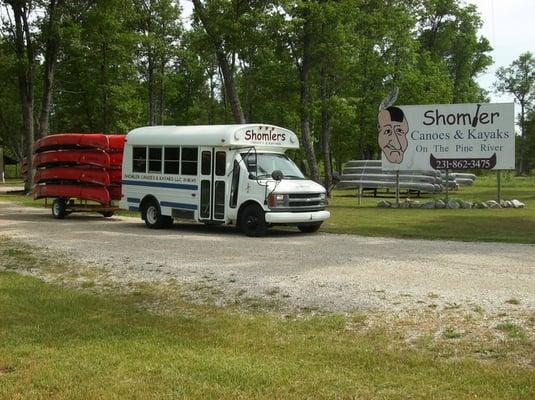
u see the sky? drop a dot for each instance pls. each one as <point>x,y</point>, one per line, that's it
<point>509,25</point>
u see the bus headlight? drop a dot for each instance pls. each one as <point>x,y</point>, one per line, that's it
<point>276,200</point>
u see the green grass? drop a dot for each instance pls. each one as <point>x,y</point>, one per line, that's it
<point>451,333</point>
<point>501,225</point>
<point>65,344</point>
<point>513,331</point>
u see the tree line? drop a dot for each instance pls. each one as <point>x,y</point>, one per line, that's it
<point>318,67</point>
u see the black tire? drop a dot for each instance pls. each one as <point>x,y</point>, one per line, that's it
<point>107,214</point>
<point>59,208</point>
<point>167,221</point>
<point>310,228</point>
<point>253,221</point>
<point>154,218</point>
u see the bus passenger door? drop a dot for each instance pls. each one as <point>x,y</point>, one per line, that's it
<point>212,180</point>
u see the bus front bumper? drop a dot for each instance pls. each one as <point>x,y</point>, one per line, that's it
<point>296,217</point>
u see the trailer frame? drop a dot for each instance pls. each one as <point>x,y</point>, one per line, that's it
<point>62,207</point>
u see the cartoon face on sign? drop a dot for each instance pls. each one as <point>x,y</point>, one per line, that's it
<point>393,128</point>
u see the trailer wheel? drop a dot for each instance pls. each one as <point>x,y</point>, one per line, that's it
<point>59,208</point>
<point>309,228</point>
<point>252,221</point>
<point>154,218</point>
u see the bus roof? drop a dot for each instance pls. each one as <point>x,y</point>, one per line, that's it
<point>246,135</point>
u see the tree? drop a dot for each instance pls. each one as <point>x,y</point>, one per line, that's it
<point>160,28</point>
<point>25,55</point>
<point>10,108</point>
<point>99,87</point>
<point>209,15</point>
<point>518,79</point>
<point>448,32</point>
<point>52,46</point>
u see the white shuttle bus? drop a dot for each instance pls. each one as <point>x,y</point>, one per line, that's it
<point>222,174</point>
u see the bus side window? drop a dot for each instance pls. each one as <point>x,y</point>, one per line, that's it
<point>220,163</point>
<point>235,184</point>
<point>189,160</point>
<point>139,159</point>
<point>155,160</point>
<point>206,163</point>
<point>171,160</point>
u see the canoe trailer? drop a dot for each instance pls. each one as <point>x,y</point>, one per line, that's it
<point>81,172</point>
<point>61,207</point>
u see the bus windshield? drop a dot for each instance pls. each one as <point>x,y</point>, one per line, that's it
<point>263,164</point>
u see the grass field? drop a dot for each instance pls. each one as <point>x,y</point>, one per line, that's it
<point>60,343</point>
<point>500,225</point>
<point>87,342</point>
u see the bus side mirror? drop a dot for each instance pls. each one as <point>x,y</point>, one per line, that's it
<point>335,177</point>
<point>277,175</point>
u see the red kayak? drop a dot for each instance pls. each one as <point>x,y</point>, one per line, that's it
<point>115,176</point>
<point>116,160</point>
<point>71,140</point>
<point>72,157</point>
<point>116,142</point>
<point>80,140</point>
<point>77,174</point>
<point>95,193</point>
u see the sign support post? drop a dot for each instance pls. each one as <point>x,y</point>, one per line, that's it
<point>447,188</point>
<point>2,175</point>
<point>499,191</point>
<point>397,188</point>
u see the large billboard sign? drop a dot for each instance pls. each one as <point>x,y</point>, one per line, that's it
<point>447,136</point>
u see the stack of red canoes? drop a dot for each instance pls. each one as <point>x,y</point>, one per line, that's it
<point>85,166</point>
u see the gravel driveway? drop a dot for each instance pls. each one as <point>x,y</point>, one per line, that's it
<point>326,271</point>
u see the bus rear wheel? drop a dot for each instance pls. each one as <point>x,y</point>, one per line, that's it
<point>154,218</point>
<point>252,221</point>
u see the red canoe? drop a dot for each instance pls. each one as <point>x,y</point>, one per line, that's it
<point>116,142</point>
<point>116,160</point>
<point>95,193</point>
<point>93,140</point>
<point>72,157</point>
<point>115,176</point>
<point>77,174</point>
<point>80,140</point>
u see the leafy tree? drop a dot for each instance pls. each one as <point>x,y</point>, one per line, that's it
<point>448,31</point>
<point>518,79</point>
<point>10,115</point>
<point>97,79</point>
<point>215,16</point>
<point>25,52</point>
<point>158,23</point>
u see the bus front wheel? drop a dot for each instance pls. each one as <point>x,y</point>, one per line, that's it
<point>253,221</point>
